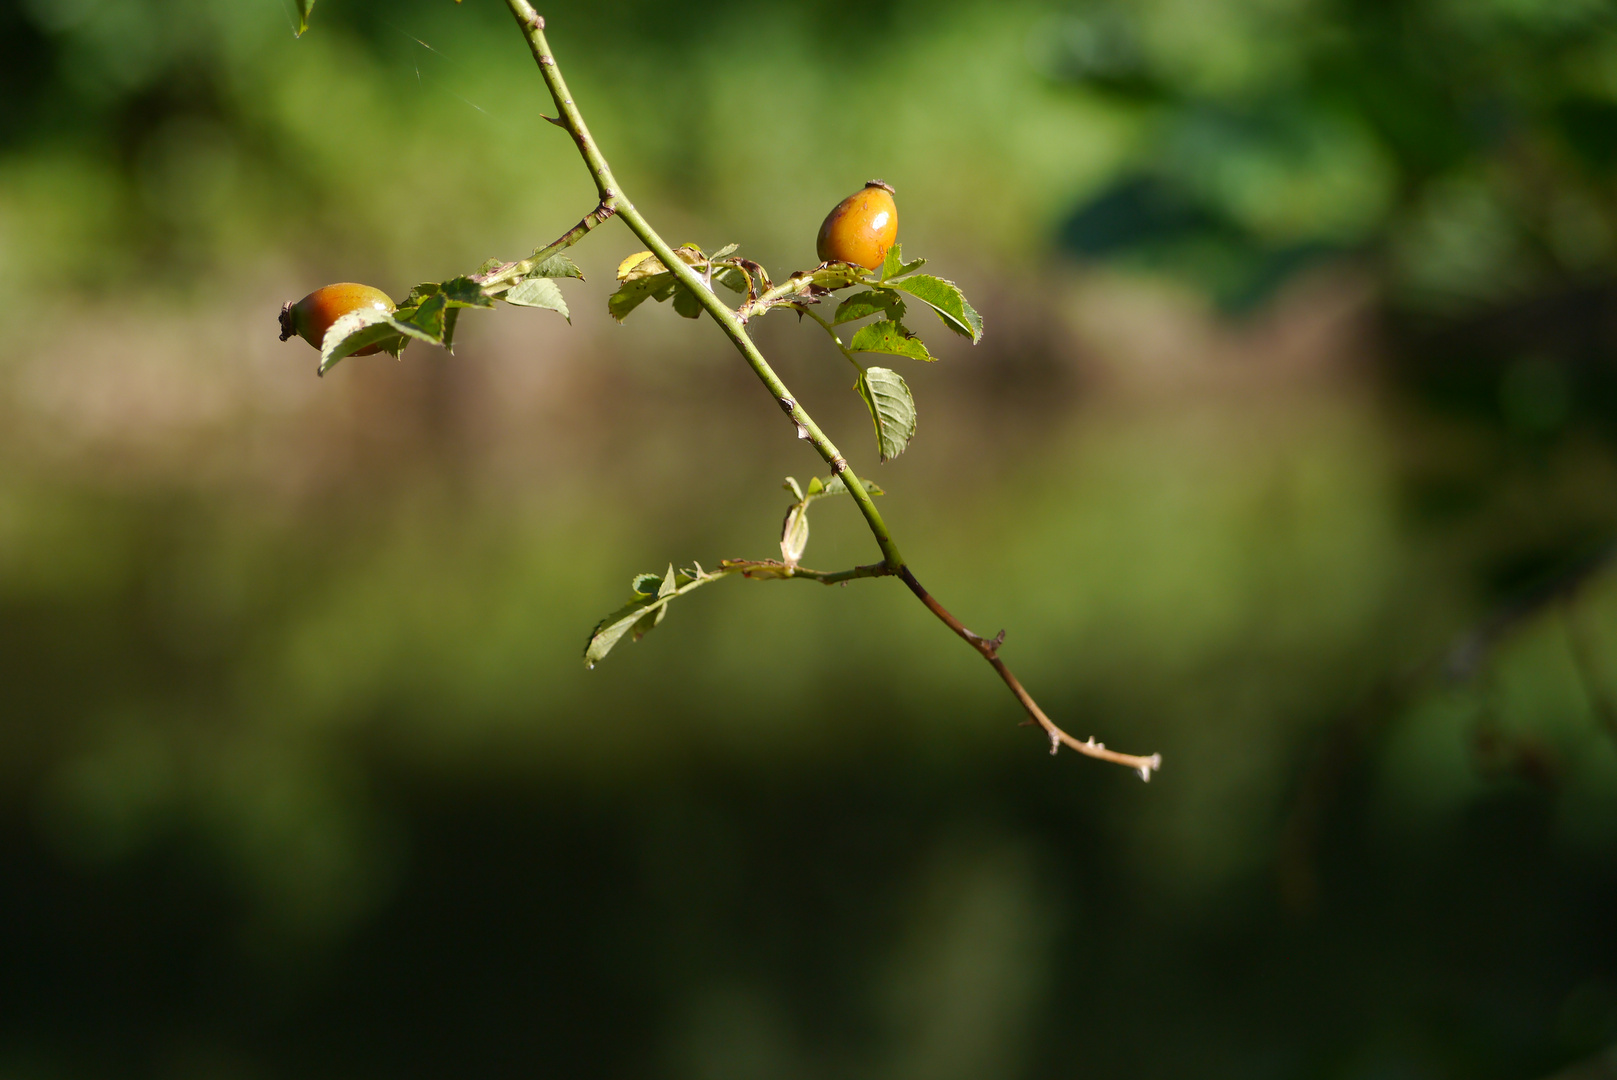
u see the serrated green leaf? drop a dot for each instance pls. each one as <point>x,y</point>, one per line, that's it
<point>945,298</point>
<point>610,630</point>
<point>687,303</point>
<point>649,621</point>
<point>791,485</point>
<point>815,487</point>
<point>895,266</point>
<point>631,294</point>
<point>669,584</point>
<point>892,409</point>
<point>860,305</point>
<point>557,266</point>
<point>420,293</point>
<point>304,8</point>
<point>451,320</point>
<point>888,337</point>
<point>539,292</point>
<point>427,317</point>
<point>490,265</point>
<point>727,249</point>
<point>464,292</point>
<point>358,329</point>
<point>646,584</point>
<point>354,331</point>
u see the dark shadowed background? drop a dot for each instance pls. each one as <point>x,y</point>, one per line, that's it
<point>1290,453</point>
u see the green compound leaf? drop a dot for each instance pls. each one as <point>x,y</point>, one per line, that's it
<point>539,292</point>
<point>892,409</point>
<point>557,266</point>
<point>888,337</point>
<point>304,7</point>
<point>645,609</point>
<point>945,298</point>
<point>894,266</point>
<point>428,314</point>
<point>860,305</point>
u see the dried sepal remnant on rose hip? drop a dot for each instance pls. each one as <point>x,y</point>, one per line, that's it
<point>312,316</point>
<point>861,228</point>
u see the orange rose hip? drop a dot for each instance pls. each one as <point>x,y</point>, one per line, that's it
<point>312,316</point>
<point>861,228</point>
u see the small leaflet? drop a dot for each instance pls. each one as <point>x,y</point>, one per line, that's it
<point>367,326</point>
<point>891,338</point>
<point>557,266</point>
<point>860,305</point>
<point>687,303</point>
<point>945,298</point>
<point>892,409</point>
<point>539,292</point>
<point>894,265</point>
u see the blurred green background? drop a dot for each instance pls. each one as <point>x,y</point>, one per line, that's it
<point>1290,453</point>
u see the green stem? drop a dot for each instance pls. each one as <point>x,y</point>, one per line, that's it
<point>534,28</point>
<point>829,329</point>
<point>612,197</point>
<point>774,568</point>
<point>511,271</point>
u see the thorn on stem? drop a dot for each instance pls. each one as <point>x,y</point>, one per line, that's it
<point>558,121</point>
